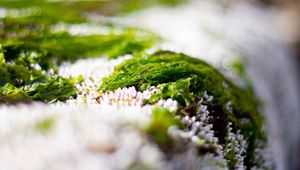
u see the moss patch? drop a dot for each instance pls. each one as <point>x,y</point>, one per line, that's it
<point>51,12</point>
<point>20,82</point>
<point>31,50</point>
<point>186,79</point>
<point>47,49</point>
<point>159,125</point>
<point>46,125</point>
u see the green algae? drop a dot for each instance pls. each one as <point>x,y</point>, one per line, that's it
<point>27,56</point>
<point>186,80</point>
<point>46,125</point>
<point>178,91</point>
<point>11,94</point>
<point>51,12</point>
<point>20,82</point>
<point>59,47</point>
<point>162,119</point>
<point>20,35</point>
<point>181,75</point>
<point>32,48</point>
<point>3,70</point>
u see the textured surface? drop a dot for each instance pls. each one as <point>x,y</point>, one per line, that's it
<point>181,112</point>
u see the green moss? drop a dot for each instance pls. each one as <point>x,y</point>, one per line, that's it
<point>11,94</point>
<point>159,125</point>
<point>185,79</point>
<point>22,53</point>
<point>179,91</point>
<point>46,125</point>
<point>26,32</point>
<point>50,12</point>
<point>231,157</point>
<point>20,82</point>
<point>4,75</point>
<point>182,78</point>
<point>46,48</point>
<point>30,47</point>
<point>239,68</point>
<point>140,166</point>
<point>51,89</point>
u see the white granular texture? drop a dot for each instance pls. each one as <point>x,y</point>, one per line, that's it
<point>131,97</point>
<point>126,96</point>
<point>81,138</point>
<point>93,69</point>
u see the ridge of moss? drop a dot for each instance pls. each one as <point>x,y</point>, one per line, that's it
<point>186,79</point>
<point>58,47</point>
<point>185,76</point>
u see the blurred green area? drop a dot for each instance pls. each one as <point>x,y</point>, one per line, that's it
<point>76,11</point>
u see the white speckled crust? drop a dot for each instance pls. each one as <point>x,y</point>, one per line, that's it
<point>126,96</point>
